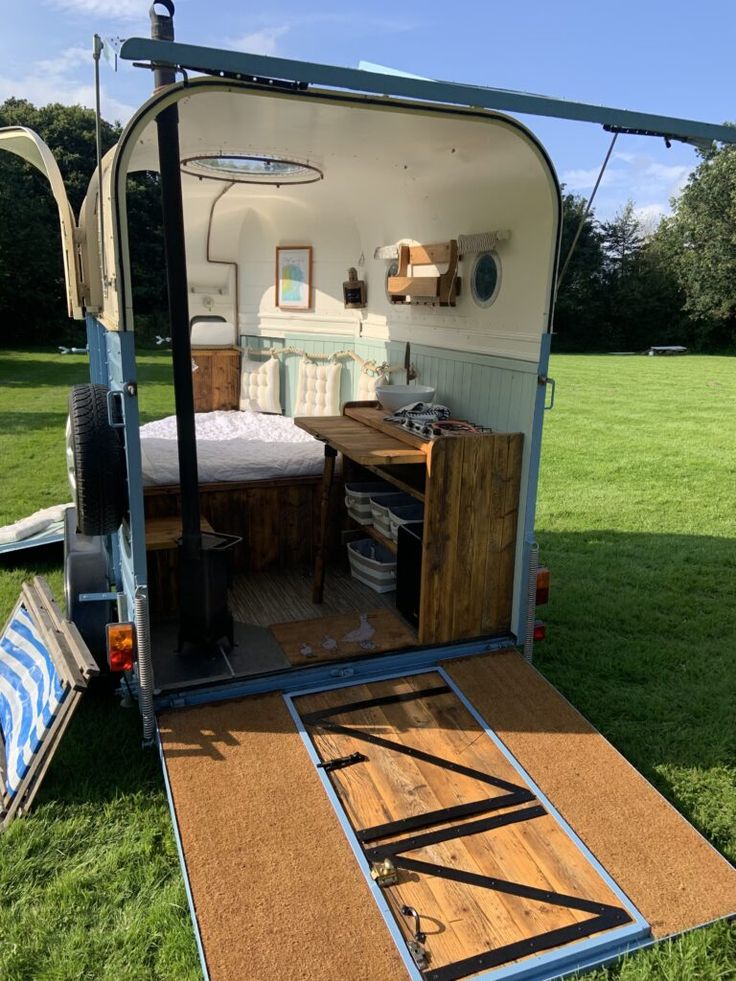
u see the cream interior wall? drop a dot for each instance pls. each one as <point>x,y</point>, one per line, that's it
<point>390,174</point>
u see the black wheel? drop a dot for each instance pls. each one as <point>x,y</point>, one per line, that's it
<point>85,571</point>
<point>95,462</point>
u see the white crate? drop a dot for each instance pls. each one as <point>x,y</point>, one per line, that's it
<point>400,515</point>
<point>358,498</point>
<point>373,565</point>
<point>380,505</point>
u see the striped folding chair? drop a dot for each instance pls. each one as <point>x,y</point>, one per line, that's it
<point>44,668</point>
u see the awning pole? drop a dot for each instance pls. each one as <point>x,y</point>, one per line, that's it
<point>587,212</point>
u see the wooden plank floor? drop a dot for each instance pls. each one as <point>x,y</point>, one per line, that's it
<point>282,595</point>
<point>342,635</point>
<point>461,920</point>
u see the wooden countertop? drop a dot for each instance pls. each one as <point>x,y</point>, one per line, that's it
<point>361,441</point>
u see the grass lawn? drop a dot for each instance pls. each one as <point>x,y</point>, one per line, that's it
<point>636,521</point>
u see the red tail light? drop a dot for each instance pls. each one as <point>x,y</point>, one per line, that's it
<point>120,646</point>
<point>542,585</point>
<point>540,630</point>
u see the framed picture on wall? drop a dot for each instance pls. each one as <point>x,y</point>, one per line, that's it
<point>294,277</point>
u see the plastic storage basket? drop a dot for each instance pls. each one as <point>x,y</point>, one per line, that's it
<point>400,515</point>
<point>358,498</point>
<point>373,565</point>
<point>380,505</point>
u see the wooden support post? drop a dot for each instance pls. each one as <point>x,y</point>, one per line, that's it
<point>318,581</point>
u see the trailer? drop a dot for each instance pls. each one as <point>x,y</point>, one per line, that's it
<point>320,578</point>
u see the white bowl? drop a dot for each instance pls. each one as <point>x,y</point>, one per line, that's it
<point>395,397</point>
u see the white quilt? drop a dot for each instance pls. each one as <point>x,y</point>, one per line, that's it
<point>232,446</point>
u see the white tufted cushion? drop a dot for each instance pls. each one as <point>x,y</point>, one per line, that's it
<point>367,386</point>
<point>318,389</point>
<point>259,386</point>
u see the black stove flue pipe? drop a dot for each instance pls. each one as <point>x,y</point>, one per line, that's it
<point>196,626</point>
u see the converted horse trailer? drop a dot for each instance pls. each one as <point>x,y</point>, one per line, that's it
<point>319,577</point>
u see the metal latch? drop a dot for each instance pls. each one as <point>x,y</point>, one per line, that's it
<point>115,408</point>
<point>548,383</point>
<point>416,946</point>
<point>341,762</point>
<point>384,873</point>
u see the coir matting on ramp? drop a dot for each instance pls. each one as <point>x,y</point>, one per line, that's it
<point>278,893</point>
<point>674,876</point>
<point>277,890</point>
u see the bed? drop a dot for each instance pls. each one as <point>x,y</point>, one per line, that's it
<point>232,447</point>
<point>260,478</point>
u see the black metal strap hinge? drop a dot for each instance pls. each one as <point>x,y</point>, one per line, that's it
<point>341,762</point>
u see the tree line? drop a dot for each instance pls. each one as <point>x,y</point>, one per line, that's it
<point>623,290</point>
<point>32,291</point>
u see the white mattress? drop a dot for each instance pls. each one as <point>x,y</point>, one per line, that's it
<point>232,446</point>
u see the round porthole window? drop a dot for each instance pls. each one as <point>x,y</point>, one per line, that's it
<point>485,279</point>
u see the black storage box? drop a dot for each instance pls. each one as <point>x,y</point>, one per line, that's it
<point>409,569</point>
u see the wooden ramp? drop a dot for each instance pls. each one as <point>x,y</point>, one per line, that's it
<point>459,831</point>
<point>492,872</point>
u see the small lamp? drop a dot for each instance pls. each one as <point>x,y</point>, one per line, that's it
<point>354,291</point>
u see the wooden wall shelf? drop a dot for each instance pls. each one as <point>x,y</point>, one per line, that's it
<point>441,289</point>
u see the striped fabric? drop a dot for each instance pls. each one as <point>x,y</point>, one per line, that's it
<point>30,694</point>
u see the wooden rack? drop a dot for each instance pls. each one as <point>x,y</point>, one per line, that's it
<point>442,289</point>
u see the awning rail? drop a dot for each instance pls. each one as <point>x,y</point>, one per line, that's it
<point>242,66</point>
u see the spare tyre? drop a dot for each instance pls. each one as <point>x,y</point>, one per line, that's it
<point>95,458</point>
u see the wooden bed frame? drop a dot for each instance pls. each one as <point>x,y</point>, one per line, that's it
<point>277,520</point>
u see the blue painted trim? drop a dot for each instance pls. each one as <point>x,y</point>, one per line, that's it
<point>49,539</point>
<point>572,959</point>
<point>639,920</point>
<point>532,486</point>
<point>97,351</point>
<point>124,374</point>
<point>182,859</point>
<point>327,676</point>
<point>360,858</point>
<point>589,952</point>
<point>248,66</point>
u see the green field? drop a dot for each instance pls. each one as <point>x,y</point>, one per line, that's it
<point>637,522</point>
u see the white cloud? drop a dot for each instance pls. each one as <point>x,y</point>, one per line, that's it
<point>57,80</point>
<point>634,176</point>
<point>263,42</point>
<point>649,216</point>
<point>584,180</point>
<point>107,9</point>
<point>68,60</point>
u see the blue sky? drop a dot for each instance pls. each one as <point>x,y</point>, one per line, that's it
<point>664,57</point>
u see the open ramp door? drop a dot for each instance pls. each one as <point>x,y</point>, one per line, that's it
<point>460,822</point>
<point>27,145</point>
<point>44,668</point>
<point>477,869</point>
